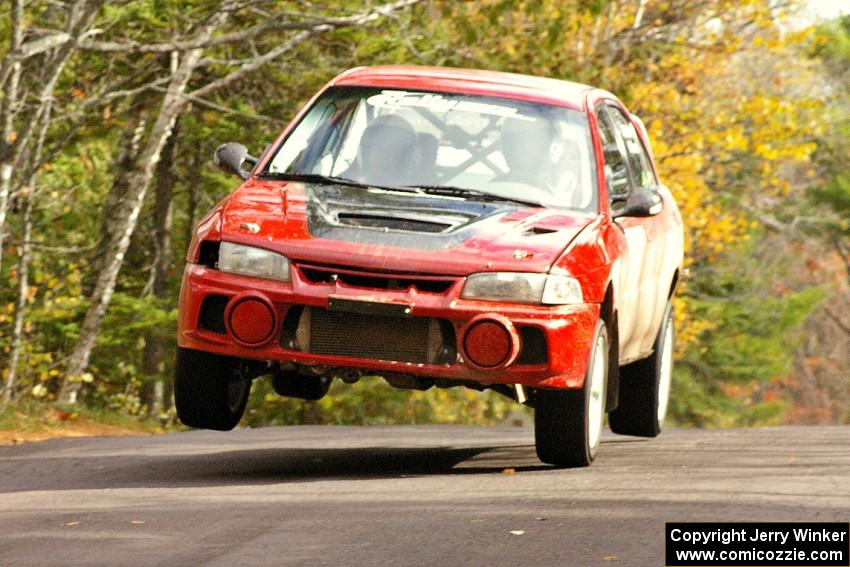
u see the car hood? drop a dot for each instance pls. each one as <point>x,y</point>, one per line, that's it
<point>396,231</point>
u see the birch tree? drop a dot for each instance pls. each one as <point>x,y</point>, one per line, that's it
<point>192,55</point>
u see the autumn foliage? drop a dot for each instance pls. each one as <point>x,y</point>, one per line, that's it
<point>734,95</point>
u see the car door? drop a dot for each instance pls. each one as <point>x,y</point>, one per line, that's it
<point>629,169</point>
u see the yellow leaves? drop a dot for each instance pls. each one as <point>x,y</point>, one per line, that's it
<point>687,330</point>
<point>821,40</point>
<point>735,139</point>
<point>85,377</point>
<point>766,151</point>
<point>803,152</point>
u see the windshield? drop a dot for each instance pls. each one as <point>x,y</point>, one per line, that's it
<point>496,146</point>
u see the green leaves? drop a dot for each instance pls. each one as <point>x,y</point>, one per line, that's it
<point>372,401</point>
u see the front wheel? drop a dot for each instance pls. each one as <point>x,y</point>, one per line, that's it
<point>645,387</point>
<point>568,423</point>
<point>210,390</point>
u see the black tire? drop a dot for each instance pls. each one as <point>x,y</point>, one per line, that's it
<point>210,392</point>
<point>641,387</point>
<point>562,418</point>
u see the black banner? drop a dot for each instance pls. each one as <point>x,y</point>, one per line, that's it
<point>758,544</point>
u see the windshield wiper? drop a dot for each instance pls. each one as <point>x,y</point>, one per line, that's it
<point>333,180</point>
<point>453,191</point>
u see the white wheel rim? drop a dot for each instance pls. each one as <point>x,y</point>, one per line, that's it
<point>665,372</point>
<point>596,401</point>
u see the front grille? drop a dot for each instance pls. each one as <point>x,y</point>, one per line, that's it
<point>356,335</point>
<point>375,280</point>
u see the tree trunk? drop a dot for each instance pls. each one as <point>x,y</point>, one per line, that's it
<point>28,196</point>
<point>126,216</point>
<point>15,142</point>
<point>8,108</point>
<point>192,202</point>
<point>153,359</point>
<point>20,308</point>
<point>128,152</point>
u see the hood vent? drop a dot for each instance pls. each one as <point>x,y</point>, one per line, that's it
<point>537,230</point>
<point>391,223</point>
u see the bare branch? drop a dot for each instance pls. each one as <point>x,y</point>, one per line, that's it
<point>282,21</point>
<point>40,45</point>
<point>272,54</point>
<point>81,15</point>
<point>50,248</point>
<point>257,62</point>
<point>107,93</point>
<point>221,107</point>
<point>769,221</point>
<point>845,255</point>
<point>841,324</point>
<point>233,37</point>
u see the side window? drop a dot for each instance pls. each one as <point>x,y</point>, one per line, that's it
<point>616,161</point>
<point>636,154</point>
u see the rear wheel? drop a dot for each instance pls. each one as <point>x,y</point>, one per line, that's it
<point>568,423</point>
<point>210,391</point>
<point>645,387</point>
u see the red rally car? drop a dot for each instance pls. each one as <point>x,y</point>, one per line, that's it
<point>442,227</point>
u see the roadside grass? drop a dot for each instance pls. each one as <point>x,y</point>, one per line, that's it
<point>371,402</point>
<point>31,420</point>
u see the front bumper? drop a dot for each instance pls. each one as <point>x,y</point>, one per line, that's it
<point>567,330</point>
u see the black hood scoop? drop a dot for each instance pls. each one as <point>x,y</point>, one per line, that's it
<point>388,222</point>
<point>393,218</point>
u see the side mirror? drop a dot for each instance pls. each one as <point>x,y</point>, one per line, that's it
<point>230,157</point>
<point>639,203</point>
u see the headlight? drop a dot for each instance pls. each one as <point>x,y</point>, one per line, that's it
<point>518,287</point>
<point>562,290</point>
<point>252,261</point>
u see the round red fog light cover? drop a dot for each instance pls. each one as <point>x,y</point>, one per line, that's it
<point>487,344</point>
<point>251,321</point>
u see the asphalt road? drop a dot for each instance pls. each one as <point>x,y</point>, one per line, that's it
<point>436,495</point>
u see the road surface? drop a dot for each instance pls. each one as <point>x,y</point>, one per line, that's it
<point>401,495</point>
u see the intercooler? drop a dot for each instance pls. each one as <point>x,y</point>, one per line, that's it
<point>361,335</point>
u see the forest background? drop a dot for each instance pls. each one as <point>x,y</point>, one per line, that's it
<point>110,112</point>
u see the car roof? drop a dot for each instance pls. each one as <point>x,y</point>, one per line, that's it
<point>473,81</point>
